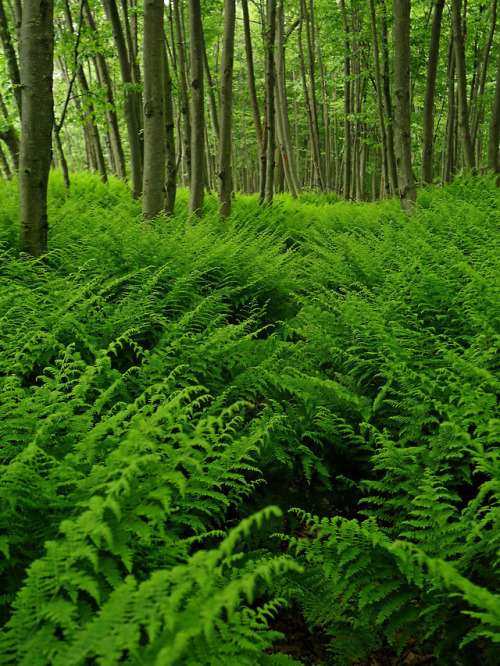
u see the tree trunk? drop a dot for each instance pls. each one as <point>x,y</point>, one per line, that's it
<point>130,99</point>
<point>429,101</point>
<point>380,102</point>
<point>183,81</point>
<point>197,183</point>
<point>270,38</point>
<point>478,116</point>
<point>386,87</point>
<point>251,78</point>
<point>347,108</point>
<point>402,118</point>
<point>153,189</point>
<point>10,56</point>
<point>226,108</point>
<point>104,78</point>
<point>283,123</point>
<point>36,64</point>
<point>494,138</point>
<point>463,111</point>
<point>170,158</point>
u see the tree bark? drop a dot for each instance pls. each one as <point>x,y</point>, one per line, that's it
<point>386,87</point>
<point>463,110</point>
<point>226,108</point>
<point>251,78</point>
<point>153,188</point>
<point>402,118</point>
<point>130,99</point>
<point>347,108</point>
<point>183,81</point>
<point>36,64</point>
<point>494,138</point>
<point>197,183</point>
<point>380,102</point>
<point>170,158</point>
<point>270,37</point>
<point>10,56</point>
<point>104,78</point>
<point>430,88</point>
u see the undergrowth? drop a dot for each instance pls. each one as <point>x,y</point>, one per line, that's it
<point>202,424</point>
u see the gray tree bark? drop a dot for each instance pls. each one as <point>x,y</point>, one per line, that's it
<point>463,109</point>
<point>428,111</point>
<point>197,184</point>
<point>226,108</point>
<point>153,184</point>
<point>36,51</point>
<point>402,117</point>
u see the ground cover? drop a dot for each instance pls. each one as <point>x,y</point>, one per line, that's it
<point>215,431</point>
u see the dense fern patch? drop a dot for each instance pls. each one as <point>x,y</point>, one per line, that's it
<point>161,386</point>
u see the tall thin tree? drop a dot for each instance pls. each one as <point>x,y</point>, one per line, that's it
<point>226,107</point>
<point>36,51</point>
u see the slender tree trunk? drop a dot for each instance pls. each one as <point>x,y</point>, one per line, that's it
<point>62,158</point>
<point>283,123</point>
<point>478,116</point>
<point>494,138</point>
<point>196,188</point>
<point>212,104</point>
<point>130,100</point>
<point>10,56</point>
<point>270,38</point>
<point>104,79</point>
<point>36,63</point>
<point>463,111</point>
<point>311,39</point>
<point>153,189</point>
<point>429,101</point>
<point>9,136</point>
<point>5,165</point>
<point>386,87</point>
<point>347,108</point>
<point>226,108</point>
<point>380,102</point>
<point>402,119</point>
<point>170,159</point>
<point>183,81</point>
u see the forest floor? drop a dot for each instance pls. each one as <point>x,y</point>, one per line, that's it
<point>264,440</point>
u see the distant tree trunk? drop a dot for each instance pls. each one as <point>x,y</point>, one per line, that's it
<point>9,136</point>
<point>494,139</point>
<point>197,183</point>
<point>62,158</point>
<point>347,108</point>
<point>104,79</point>
<point>451,118</point>
<point>270,37</point>
<point>283,123</point>
<point>212,104</point>
<point>226,108</point>
<point>428,113</point>
<point>463,111</point>
<point>82,79</point>
<point>170,158</point>
<point>10,56</point>
<point>402,118</point>
<point>153,189</point>
<point>254,105</point>
<point>130,99</point>
<point>380,102</point>
<point>478,116</point>
<point>391,153</point>
<point>36,64</point>
<point>311,40</point>
<point>183,81</point>
<point>5,165</point>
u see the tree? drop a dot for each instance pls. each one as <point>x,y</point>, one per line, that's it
<point>226,105</point>
<point>463,108</point>
<point>197,184</point>
<point>430,88</point>
<point>153,188</point>
<point>36,65</point>
<point>402,117</point>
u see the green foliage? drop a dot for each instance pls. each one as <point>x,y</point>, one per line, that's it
<point>160,386</point>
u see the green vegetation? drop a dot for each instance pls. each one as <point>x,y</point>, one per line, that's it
<point>203,424</point>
